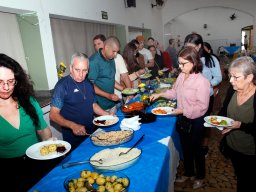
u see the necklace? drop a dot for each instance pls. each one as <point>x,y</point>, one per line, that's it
<point>83,93</point>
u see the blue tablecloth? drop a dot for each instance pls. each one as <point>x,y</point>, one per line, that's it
<point>150,173</point>
<point>232,49</point>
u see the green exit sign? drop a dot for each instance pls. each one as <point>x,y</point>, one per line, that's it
<point>104,15</point>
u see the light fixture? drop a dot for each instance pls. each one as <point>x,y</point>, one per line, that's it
<point>233,16</point>
<point>158,3</point>
<point>152,5</point>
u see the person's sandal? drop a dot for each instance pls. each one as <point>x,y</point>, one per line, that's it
<point>183,178</point>
<point>197,184</point>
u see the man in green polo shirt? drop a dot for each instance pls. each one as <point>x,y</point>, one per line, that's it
<point>102,73</point>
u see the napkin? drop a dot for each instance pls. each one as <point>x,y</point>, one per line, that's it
<point>130,123</point>
<point>164,85</point>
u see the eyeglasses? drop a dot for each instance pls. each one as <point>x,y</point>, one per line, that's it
<point>10,83</point>
<point>182,64</point>
<point>234,77</point>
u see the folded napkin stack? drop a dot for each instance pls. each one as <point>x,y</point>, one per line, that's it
<point>130,123</point>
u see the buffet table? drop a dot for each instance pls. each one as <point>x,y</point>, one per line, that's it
<point>154,171</point>
<point>231,50</point>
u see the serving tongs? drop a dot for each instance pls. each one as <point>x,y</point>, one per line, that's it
<point>66,165</point>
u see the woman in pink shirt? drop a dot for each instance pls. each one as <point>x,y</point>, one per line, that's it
<point>192,91</point>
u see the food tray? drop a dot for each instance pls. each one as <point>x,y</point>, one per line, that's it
<point>113,161</point>
<point>111,138</point>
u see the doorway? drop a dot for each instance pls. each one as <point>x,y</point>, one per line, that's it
<point>246,31</point>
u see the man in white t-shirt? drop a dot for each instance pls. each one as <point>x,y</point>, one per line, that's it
<point>149,60</point>
<point>121,74</point>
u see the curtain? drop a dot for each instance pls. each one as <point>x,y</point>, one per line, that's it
<point>10,38</point>
<point>71,36</point>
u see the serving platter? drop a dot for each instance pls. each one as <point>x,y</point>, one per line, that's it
<point>111,138</point>
<point>34,151</point>
<point>105,120</point>
<point>145,76</point>
<point>219,121</point>
<point>112,160</point>
<point>80,180</point>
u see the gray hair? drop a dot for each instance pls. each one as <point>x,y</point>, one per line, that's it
<point>80,56</point>
<point>245,65</point>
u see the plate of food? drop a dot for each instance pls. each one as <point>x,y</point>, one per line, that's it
<point>48,150</point>
<point>145,76</point>
<point>129,91</point>
<point>110,138</point>
<point>91,180</point>
<point>162,110</point>
<point>105,120</point>
<point>219,121</point>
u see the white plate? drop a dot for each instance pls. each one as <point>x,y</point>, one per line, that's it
<point>169,110</point>
<point>110,120</point>
<point>34,151</point>
<point>209,125</point>
<point>146,76</point>
<point>165,69</point>
<point>219,119</point>
<point>129,91</point>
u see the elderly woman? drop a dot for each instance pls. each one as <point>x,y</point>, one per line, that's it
<point>240,105</point>
<point>192,91</point>
<point>21,125</point>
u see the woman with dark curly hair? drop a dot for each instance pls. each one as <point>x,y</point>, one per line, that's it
<point>21,125</point>
<point>133,67</point>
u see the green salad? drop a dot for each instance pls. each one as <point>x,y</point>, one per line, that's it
<point>129,91</point>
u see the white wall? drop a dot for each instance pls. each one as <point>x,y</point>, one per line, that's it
<point>183,16</point>
<point>156,18</point>
<point>220,31</point>
<point>142,15</point>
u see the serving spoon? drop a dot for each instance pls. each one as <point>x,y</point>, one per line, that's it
<point>100,161</point>
<point>123,153</point>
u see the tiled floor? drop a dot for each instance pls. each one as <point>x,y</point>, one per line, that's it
<point>219,171</point>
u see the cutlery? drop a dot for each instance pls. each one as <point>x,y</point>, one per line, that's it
<point>123,153</point>
<point>89,186</point>
<point>100,161</point>
<point>99,137</point>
